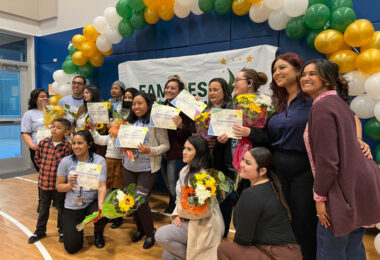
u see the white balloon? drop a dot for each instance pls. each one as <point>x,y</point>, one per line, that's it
<point>113,35</point>
<point>295,8</point>
<point>277,19</point>
<point>377,243</point>
<point>378,226</point>
<point>356,81</point>
<point>376,112</point>
<point>55,87</point>
<point>274,4</point>
<point>102,43</point>
<point>100,23</point>
<point>187,3</point>
<point>181,11</point>
<point>259,12</point>
<point>372,86</point>
<point>363,106</point>
<point>65,90</point>
<point>112,16</point>
<point>195,8</point>
<point>60,76</point>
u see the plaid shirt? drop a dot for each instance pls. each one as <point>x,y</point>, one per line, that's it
<point>47,158</point>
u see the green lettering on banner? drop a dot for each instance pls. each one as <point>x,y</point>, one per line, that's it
<point>191,87</point>
<point>160,91</point>
<point>151,90</point>
<point>203,91</point>
<point>142,88</point>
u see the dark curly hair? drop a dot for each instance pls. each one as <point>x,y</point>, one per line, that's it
<point>32,103</point>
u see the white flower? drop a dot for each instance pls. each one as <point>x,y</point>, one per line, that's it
<point>263,99</point>
<point>120,195</point>
<point>202,194</point>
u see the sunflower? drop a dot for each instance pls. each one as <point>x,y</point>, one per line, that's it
<point>99,126</point>
<point>209,186</point>
<point>127,203</point>
<point>255,108</point>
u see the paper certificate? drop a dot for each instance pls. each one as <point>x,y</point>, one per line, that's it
<point>42,133</point>
<point>98,112</point>
<point>88,175</point>
<point>130,136</point>
<point>222,120</point>
<point>161,116</point>
<point>187,104</point>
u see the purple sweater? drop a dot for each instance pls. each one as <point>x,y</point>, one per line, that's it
<point>349,180</point>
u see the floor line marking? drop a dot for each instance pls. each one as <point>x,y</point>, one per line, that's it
<point>38,244</point>
<point>24,179</point>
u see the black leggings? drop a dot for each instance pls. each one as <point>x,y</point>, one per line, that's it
<point>293,170</point>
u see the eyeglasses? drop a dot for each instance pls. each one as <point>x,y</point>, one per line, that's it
<point>77,83</point>
<point>237,79</point>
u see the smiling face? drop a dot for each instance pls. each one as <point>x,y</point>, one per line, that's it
<point>80,146</point>
<point>249,169</point>
<point>215,93</point>
<point>78,85</point>
<point>139,106</point>
<point>284,74</point>
<point>189,152</point>
<point>87,95</point>
<point>42,99</point>
<point>311,82</point>
<point>241,85</point>
<point>171,90</point>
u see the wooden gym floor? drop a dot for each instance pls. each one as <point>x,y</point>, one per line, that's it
<point>18,217</point>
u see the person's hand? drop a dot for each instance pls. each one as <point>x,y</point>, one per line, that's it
<point>35,147</point>
<point>144,149</point>
<point>222,138</point>
<point>177,221</point>
<point>197,98</point>
<point>72,180</point>
<point>100,206</point>
<point>177,121</point>
<point>91,125</point>
<point>241,131</point>
<point>211,142</point>
<point>322,214</point>
<point>365,149</point>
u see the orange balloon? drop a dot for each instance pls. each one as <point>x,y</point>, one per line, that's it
<point>78,40</point>
<point>241,7</point>
<point>368,61</point>
<point>90,32</point>
<point>79,59</point>
<point>151,15</point>
<point>107,53</point>
<point>88,48</point>
<point>359,33</point>
<point>54,99</point>
<point>255,1</point>
<point>345,59</point>
<point>329,41</point>
<point>166,12</point>
<point>96,60</point>
<point>167,2</point>
<point>373,43</point>
<point>152,3</point>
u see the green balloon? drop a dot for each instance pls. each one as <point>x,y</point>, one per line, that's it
<point>223,6</point>
<point>372,129</point>
<point>86,70</point>
<point>296,28</point>
<point>341,18</point>
<point>137,20</point>
<point>123,9</point>
<point>72,49</point>
<point>313,2</point>
<point>206,5</point>
<point>335,4</point>
<point>317,16</point>
<point>68,57</point>
<point>136,5</point>
<point>69,67</point>
<point>377,149</point>
<point>310,38</point>
<point>378,158</point>
<point>125,28</point>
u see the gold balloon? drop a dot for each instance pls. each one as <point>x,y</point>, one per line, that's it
<point>241,7</point>
<point>151,15</point>
<point>345,59</point>
<point>151,3</point>
<point>54,99</point>
<point>96,60</point>
<point>329,41</point>
<point>88,48</point>
<point>78,40</point>
<point>373,43</point>
<point>368,61</point>
<point>79,59</point>
<point>90,32</point>
<point>255,1</point>
<point>359,33</point>
<point>107,53</point>
<point>166,12</point>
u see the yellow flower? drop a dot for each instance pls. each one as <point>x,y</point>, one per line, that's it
<point>199,182</point>
<point>197,117</point>
<point>99,126</point>
<point>211,188</point>
<point>201,176</point>
<point>107,104</point>
<point>255,108</point>
<point>211,180</point>
<point>127,203</point>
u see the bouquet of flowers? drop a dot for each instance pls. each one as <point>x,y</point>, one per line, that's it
<point>202,122</point>
<point>256,111</point>
<point>117,204</point>
<point>51,113</point>
<point>100,127</point>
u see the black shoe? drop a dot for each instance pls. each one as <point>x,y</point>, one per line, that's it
<point>99,240</point>
<point>137,236</point>
<point>60,237</point>
<point>116,223</point>
<point>35,237</point>
<point>149,242</point>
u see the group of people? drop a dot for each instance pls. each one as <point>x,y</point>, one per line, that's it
<point>311,178</point>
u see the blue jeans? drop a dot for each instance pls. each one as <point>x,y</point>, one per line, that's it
<point>170,172</point>
<point>348,247</point>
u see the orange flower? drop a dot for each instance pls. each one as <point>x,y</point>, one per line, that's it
<point>186,191</point>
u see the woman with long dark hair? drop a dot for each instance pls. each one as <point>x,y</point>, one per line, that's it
<point>193,238</point>
<point>262,216</point>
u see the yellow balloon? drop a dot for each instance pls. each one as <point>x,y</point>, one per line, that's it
<point>96,60</point>
<point>107,53</point>
<point>88,48</point>
<point>54,99</point>
<point>166,12</point>
<point>255,1</point>
<point>373,43</point>
<point>151,15</point>
<point>329,41</point>
<point>78,40</point>
<point>359,33</point>
<point>90,32</point>
<point>79,59</point>
<point>152,3</point>
<point>368,61</point>
<point>345,59</point>
<point>241,7</point>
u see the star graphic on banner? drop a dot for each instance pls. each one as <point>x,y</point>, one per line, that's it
<point>223,71</point>
<point>239,59</point>
<point>249,58</point>
<point>233,59</point>
<point>223,61</point>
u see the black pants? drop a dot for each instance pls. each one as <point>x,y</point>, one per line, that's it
<point>143,215</point>
<point>45,197</point>
<point>73,238</point>
<point>293,170</point>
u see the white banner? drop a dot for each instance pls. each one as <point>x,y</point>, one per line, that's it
<point>197,70</point>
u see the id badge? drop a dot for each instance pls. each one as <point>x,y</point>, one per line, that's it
<point>80,201</point>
